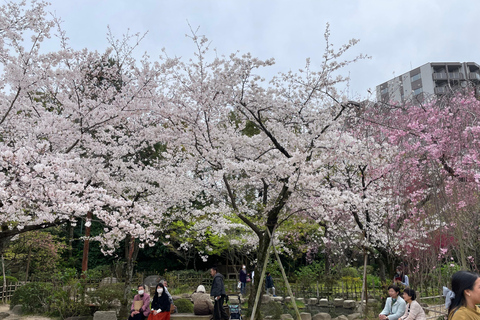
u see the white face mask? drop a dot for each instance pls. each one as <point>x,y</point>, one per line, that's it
<point>140,292</point>
<point>160,291</point>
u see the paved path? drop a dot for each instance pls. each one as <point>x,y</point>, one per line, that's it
<point>5,309</point>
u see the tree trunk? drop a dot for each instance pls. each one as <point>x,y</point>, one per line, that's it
<point>131,252</point>
<point>86,246</point>
<point>262,256</point>
<point>28,263</point>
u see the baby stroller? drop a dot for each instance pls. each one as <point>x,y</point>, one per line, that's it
<point>235,310</point>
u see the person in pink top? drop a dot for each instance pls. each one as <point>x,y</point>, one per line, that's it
<point>141,305</point>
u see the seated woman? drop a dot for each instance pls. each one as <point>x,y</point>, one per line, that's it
<point>160,304</point>
<point>202,304</point>
<point>141,305</point>
<point>395,305</point>
<point>414,310</point>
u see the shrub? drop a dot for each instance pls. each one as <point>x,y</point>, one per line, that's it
<point>106,295</point>
<point>349,272</point>
<point>184,305</point>
<point>34,297</point>
<point>10,279</point>
<point>43,298</point>
<point>272,309</point>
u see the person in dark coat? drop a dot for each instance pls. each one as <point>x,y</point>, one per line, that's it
<point>160,304</point>
<point>218,293</point>
<point>269,284</point>
<point>243,280</point>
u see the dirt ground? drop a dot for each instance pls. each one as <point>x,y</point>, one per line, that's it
<point>6,308</point>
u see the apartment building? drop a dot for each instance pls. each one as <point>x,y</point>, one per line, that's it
<point>433,78</point>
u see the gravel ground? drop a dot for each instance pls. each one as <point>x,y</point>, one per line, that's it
<point>6,308</point>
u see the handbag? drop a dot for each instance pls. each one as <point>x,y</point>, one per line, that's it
<point>173,308</point>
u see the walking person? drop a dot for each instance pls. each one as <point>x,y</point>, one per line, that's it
<point>218,293</point>
<point>243,280</point>
<point>466,296</point>
<point>269,284</point>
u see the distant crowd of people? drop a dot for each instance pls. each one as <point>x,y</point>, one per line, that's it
<point>461,300</point>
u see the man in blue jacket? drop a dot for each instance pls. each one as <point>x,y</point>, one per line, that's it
<point>218,293</point>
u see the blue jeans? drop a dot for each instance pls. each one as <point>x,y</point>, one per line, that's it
<point>243,288</point>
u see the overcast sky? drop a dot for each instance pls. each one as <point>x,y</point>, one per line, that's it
<point>398,35</point>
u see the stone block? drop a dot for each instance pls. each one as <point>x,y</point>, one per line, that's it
<point>176,297</point>
<point>323,303</point>
<point>354,316</point>
<point>4,315</point>
<point>305,316</point>
<point>107,280</point>
<point>105,315</point>
<point>288,299</point>
<point>151,281</point>
<point>186,295</point>
<point>278,299</point>
<point>80,318</point>
<point>349,304</point>
<point>302,300</point>
<point>266,298</point>
<point>17,309</point>
<point>233,300</point>
<point>342,317</point>
<point>312,301</point>
<point>322,316</point>
<point>286,316</point>
<point>338,302</point>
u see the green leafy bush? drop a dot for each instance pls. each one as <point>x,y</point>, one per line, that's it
<point>106,295</point>
<point>10,279</point>
<point>34,297</point>
<point>43,298</point>
<point>272,309</point>
<point>349,272</point>
<point>184,305</point>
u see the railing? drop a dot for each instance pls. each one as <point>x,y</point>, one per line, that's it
<point>434,311</point>
<point>8,291</point>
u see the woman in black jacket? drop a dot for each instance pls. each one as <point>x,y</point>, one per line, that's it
<point>160,304</point>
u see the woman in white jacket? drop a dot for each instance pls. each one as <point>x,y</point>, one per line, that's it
<point>414,310</point>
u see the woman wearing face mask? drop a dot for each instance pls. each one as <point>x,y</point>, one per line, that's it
<point>160,304</point>
<point>394,306</point>
<point>141,305</point>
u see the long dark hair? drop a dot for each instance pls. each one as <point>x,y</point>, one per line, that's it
<point>461,281</point>
<point>156,296</point>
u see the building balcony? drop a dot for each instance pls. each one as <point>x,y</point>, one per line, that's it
<point>441,90</point>
<point>456,76</point>
<point>440,76</point>
<point>474,76</point>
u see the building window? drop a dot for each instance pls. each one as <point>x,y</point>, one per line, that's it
<point>417,91</point>
<point>416,77</point>
<point>384,90</point>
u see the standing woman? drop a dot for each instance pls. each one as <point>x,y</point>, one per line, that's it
<point>395,305</point>
<point>414,310</point>
<point>466,288</point>
<point>160,304</point>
